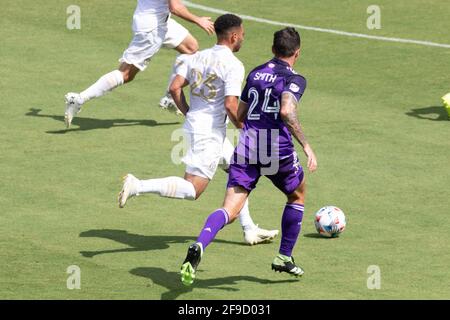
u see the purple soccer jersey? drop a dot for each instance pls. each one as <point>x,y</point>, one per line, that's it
<point>265,139</point>
<point>262,93</point>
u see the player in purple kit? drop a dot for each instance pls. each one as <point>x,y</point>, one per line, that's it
<point>268,111</point>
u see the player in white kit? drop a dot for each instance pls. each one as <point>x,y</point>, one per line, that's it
<point>153,28</point>
<point>215,78</point>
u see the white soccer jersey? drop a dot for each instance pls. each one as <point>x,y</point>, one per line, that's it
<point>212,74</point>
<point>150,13</point>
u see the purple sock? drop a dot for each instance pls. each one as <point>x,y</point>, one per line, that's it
<point>216,221</point>
<point>291,224</point>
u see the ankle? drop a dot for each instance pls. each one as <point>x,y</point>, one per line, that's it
<point>284,258</point>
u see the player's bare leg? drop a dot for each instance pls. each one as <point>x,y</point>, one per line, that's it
<point>199,183</point>
<point>188,46</point>
<point>290,229</point>
<point>235,198</point>
<point>106,83</point>
<point>129,71</point>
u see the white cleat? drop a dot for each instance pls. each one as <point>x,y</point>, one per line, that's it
<point>167,103</point>
<point>258,235</point>
<point>129,189</point>
<point>73,106</point>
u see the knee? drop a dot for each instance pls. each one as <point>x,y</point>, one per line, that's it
<point>296,197</point>
<point>127,76</point>
<point>198,192</point>
<point>128,72</point>
<point>191,47</point>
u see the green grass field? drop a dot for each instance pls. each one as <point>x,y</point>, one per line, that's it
<point>372,113</point>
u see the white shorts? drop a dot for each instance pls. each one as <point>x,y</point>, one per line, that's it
<point>207,152</point>
<point>146,44</point>
<point>176,33</point>
<point>227,154</point>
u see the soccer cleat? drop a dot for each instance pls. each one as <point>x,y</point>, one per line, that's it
<point>281,264</point>
<point>167,103</point>
<point>129,189</point>
<point>73,106</point>
<point>258,235</point>
<point>190,264</point>
<point>446,101</point>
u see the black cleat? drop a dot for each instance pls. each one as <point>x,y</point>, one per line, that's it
<point>190,264</point>
<point>282,265</point>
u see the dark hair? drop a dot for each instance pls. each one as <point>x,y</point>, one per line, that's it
<point>225,23</point>
<point>286,42</point>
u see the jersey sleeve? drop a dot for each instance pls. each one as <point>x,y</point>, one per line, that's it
<point>295,85</point>
<point>181,66</point>
<point>233,80</point>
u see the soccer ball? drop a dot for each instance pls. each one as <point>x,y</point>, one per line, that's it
<point>330,221</point>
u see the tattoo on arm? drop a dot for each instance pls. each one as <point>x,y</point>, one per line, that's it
<point>291,120</point>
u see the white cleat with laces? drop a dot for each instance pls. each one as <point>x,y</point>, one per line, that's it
<point>73,106</point>
<point>129,189</point>
<point>167,103</point>
<point>258,235</point>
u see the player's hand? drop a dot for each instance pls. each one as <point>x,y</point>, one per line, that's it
<point>206,24</point>
<point>312,160</point>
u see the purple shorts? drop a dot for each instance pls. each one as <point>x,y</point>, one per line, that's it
<point>287,178</point>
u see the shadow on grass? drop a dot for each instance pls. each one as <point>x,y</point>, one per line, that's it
<point>137,242</point>
<point>434,113</point>
<point>171,281</point>
<point>318,236</point>
<point>313,235</point>
<point>85,124</point>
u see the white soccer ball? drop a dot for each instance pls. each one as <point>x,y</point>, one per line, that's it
<point>330,221</point>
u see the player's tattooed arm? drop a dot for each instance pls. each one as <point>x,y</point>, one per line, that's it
<point>288,113</point>
<point>176,90</point>
<point>289,116</point>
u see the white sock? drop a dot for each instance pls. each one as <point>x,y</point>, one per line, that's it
<point>106,83</point>
<point>245,219</point>
<point>172,187</point>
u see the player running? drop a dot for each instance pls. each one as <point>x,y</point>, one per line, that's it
<point>215,77</point>
<point>268,103</point>
<point>153,28</point>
